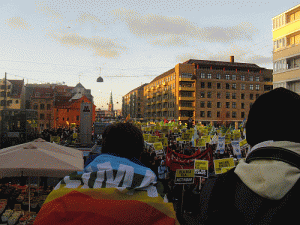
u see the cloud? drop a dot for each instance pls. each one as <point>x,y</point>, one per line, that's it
<point>241,54</point>
<point>186,56</point>
<point>18,23</point>
<point>157,28</point>
<point>104,47</point>
<point>48,11</point>
<point>168,41</point>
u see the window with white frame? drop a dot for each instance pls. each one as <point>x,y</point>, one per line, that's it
<point>233,77</point>
<point>251,86</point>
<point>250,78</point>
<point>242,77</point>
<point>257,87</point>
<point>219,76</point>
<point>209,76</point>
<point>257,78</point>
<point>202,75</point>
<point>243,86</point>
<point>227,76</point>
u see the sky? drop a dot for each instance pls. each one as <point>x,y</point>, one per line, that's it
<point>130,42</point>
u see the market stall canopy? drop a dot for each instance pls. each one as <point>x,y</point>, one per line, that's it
<point>42,144</point>
<point>31,159</point>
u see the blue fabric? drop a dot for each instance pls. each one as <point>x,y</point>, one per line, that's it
<point>92,157</point>
<point>115,162</point>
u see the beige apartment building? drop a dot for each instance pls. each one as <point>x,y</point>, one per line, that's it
<point>286,49</point>
<point>207,91</point>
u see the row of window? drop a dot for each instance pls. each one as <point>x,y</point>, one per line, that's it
<point>219,105</point>
<point>159,114</point>
<point>230,77</point>
<point>226,115</point>
<point>42,106</point>
<point>9,102</point>
<point>233,95</point>
<point>228,86</point>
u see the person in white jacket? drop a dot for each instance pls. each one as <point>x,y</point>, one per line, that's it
<point>263,188</point>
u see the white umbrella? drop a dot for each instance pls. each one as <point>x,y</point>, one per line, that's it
<point>30,160</point>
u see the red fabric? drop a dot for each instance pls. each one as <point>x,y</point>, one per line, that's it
<point>78,208</point>
<point>176,160</point>
<point>166,121</point>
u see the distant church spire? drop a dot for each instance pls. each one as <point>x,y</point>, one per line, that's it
<point>111,104</point>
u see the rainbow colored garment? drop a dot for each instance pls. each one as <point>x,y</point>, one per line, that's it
<point>110,190</point>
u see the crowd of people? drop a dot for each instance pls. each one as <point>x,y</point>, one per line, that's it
<point>261,189</point>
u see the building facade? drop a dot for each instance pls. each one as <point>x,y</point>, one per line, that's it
<point>286,49</point>
<point>206,91</point>
<point>133,103</point>
<point>42,100</point>
<point>13,92</point>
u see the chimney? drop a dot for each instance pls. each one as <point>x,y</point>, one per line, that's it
<point>232,59</point>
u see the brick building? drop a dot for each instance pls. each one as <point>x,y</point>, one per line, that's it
<point>207,91</point>
<point>68,111</point>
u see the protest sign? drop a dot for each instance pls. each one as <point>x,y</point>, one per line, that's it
<point>221,144</point>
<point>201,142</point>
<point>225,169</point>
<point>146,137</point>
<point>227,139</point>
<point>184,176</point>
<point>236,149</point>
<point>179,139</point>
<point>151,139</point>
<point>243,142</point>
<point>201,168</point>
<point>56,139</point>
<point>164,141</point>
<point>220,163</point>
<point>158,148</point>
<point>187,136</point>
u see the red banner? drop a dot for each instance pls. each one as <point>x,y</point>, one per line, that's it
<point>176,160</point>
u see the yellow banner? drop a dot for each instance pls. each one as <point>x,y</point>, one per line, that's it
<point>164,141</point>
<point>151,139</point>
<point>225,169</point>
<point>243,142</point>
<point>75,135</point>
<point>179,139</point>
<point>146,137</point>
<point>158,146</point>
<point>201,164</point>
<point>185,173</point>
<point>156,139</point>
<point>220,163</point>
<point>187,136</point>
<point>201,142</point>
<point>56,139</point>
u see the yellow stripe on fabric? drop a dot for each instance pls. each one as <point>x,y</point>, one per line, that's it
<point>115,194</point>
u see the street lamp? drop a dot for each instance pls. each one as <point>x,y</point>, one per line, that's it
<point>99,79</point>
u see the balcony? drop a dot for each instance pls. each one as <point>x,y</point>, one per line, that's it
<point>186,98</point>
<point>186,88</point>
<point>186,79</point>
<point>183,118</point>
<point>165,100</point>
<point>287,29</point>
<point>165,109</point>
<point>158,102</point>
<point>164,83</point>
<point>191,108</point>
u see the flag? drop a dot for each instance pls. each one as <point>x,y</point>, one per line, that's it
<point>165,121</point>
<point>110,190</point>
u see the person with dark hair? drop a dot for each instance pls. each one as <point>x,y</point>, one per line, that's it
<point>115,188</point>
<point>263,188</point>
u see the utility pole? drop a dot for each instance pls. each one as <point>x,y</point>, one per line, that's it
<point>5,98</point>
